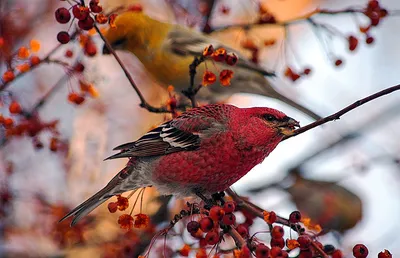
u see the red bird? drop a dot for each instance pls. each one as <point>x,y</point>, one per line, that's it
<point>203,151</point>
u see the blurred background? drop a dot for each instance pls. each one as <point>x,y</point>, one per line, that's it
<point>344,174</point>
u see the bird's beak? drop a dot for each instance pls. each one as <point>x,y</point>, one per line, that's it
<point>288,127</point>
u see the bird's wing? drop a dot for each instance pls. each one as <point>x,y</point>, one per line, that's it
<point>183,41</point>
<point>183,133</point>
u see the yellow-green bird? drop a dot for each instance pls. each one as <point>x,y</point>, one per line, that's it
<point>166,51</point>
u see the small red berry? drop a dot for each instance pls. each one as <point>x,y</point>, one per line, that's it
<point>276,252</point>
<point>206,224</point>
<point>229,207</point>
<point>193,226</point>
<point>295,217</point>
<point>216,213</point>
<point>229,219</point>
<point>86,24</point>
<point>262,251</point>
<point>90,49</point>
<point>80,12</point>
<point>304,241</point>
<point>369,40</point>
<point>79,67</point>
<point>62,15</point>
<point>95,7</point>
<point>305,254</point>
<point>35,60</point>
<point>63,37</point>
<point>231,59</point>
<point>338,62</point>
<point>15,108</point>
<point>69,53</point>
<point>212,238</point>
<point>280,242</point>
<point>307,71</point>
<point>385,254</point>
<point>337,254</point>
<point>112,207</point>
<point>353,42</point>
<point>242,230</point>
<point>277,232</point>
<point>360,251</point>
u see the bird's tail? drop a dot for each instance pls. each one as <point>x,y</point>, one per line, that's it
<point>116,186</point>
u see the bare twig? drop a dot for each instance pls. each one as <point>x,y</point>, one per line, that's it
<point>345,110</point>
<point>191,92</point>
<point>207,16</point>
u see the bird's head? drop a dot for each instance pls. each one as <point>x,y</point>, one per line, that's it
<point>134,31</point>
<point>262,126</point>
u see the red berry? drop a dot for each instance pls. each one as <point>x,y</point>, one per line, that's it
<point>353,42</point>
<point>277,232</point>
<point>369,40</point>
<point>242,230</point>
<point>280,242</point>
<point>338,62</point>
<point>262,251</point>
<point>329,249</point>
<point>63,37</point>
<point>229,219</point>
<point>79,67</point>
<point>35,60</point>
<point>216,213</point>
<point>193,226</point>
<point>295,217</point>
<point>15,108</point>
<point>385,254</point>
<point>62,15</point>
<point>69,53</point>
<point>86,24</point>
<point>276,252</point>
<point>304,241</point>
<point>307,71</point>
<point>212,238</point>
<point>95,7</point>
<point>229,207</point>
<point>90,49</point>
<point>337,254</point>
<point>206,224</point>
<point>231,59</point>
<point>112,207</point>
<point>373,4</point>
<point>80,12</point>
<point>360,251</point>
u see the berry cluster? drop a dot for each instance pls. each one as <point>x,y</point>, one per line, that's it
<point>86,16</point>
<point>219,55</point>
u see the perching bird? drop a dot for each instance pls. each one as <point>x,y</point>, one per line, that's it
<point>166,50</point>
<point>201,152</point>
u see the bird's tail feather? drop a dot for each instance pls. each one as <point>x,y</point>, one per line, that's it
<point>119,184</point>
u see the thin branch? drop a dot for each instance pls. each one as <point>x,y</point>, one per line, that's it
<point>191,92</point>
<point>345,110</point>
<point>207,16</point>
<point>240,242</point>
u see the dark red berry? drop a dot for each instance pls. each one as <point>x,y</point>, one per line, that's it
<point>212,238</point>
<point>79,67</point>
<point>95,7</point>
<point>206,224</point>
<point>353,42</point>
<point>276,252</point>
<point>338,62</point>
<point>229,219</point>
<point>63,37</point>
<point>216,213</point>
<point>369,40</point>
<point>86,24</point>
<point>337,254</point>
<point>262,251</point>
<point>280,242</point>
<point>69,53</point>
<point>385,254</point>
<point>304,241</point>
<point>307,71</point>
<point>229,207</point>
<point>193,226</point>
<point>242,230</point>
<point>295,217</point>
<point>80,12</point>
<point>63,15</point>
<point>277,232</point>
<point>329,249</point>
<point>90,49</point>
<point>360,251</point>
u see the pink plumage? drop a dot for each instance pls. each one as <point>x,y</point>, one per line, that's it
<point>205,150</point>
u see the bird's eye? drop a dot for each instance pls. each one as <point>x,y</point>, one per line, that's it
<point>269,118</point>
